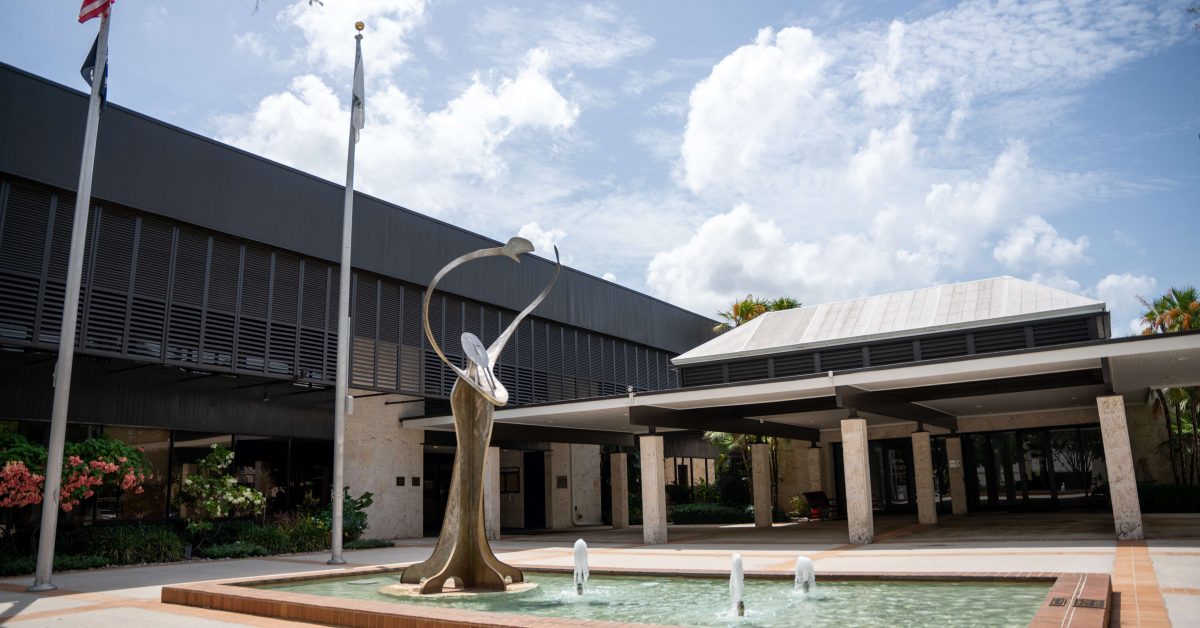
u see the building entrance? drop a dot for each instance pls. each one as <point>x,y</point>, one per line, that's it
<point>1036,470</point>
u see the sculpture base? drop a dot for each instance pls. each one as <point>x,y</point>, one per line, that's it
<point>414,590</point>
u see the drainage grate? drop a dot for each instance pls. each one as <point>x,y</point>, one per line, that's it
<point>1058,601</point>
<point>1082,603</point>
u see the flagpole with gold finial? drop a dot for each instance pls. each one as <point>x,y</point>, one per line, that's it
<point>342,401</point>
<point>66,337</point>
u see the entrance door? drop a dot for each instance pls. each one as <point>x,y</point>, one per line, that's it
<point>436,491</point>
<point>892,487</point>
<point>535,490</point>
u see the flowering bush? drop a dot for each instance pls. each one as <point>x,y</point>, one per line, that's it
<point>89,466</point>
<point>215,493</point>
<point>19,486</point>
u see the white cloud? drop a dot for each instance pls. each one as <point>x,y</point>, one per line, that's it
<point>544,240</point>
<point>1058,280</point>
<point>423,159</point>
<point>753,107</point>
<point>588,35</point>
<point>328,32</point>
<point>1121,292</point>
<point>1036,243</point>
<point>609,277</point>
<point>881,158</point>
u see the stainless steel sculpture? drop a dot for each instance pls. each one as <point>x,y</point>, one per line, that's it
<point>463,553</point>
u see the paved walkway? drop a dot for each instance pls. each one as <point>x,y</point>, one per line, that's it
<point>1155,582</point>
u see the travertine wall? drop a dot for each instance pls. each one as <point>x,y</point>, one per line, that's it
<point>558,498</point>
<point>377,451</point>
<point>699,470</point>
<point>512,505</point>
<point>585,485</point>
<point>799,471</point>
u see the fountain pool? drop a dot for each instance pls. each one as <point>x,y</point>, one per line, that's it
<point>700,601</point>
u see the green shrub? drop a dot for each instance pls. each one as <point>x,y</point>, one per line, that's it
<point>306,534</point>
<point>679,494</point>
<point>1168,497</point>
<point>367,544</point>
<point>354,515</point>
<point>233,550</point>
<point>123,544</point>
<point>271,537</point>
<point>27,564</point>
<point>684,514</point>
<point>705,492</point>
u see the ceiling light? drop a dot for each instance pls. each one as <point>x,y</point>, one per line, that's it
<point>978,406</point>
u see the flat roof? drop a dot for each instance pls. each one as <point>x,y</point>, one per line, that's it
<point>957,306</point>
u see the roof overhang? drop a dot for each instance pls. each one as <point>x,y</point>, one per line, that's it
<point>932,392</point>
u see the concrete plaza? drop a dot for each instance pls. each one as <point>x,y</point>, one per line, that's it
<point>1154,581</point>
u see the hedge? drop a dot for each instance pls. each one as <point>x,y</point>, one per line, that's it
<point>1168,497</point>
<point>123,544</point>
<point>234,550</point>
<point>684,514</point>
<point>27,564</point>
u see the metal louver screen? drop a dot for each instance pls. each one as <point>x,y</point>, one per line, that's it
<point>749,370</point>
<point>1061,332</point>
<point>1000,340</point>
<point>156,290</point>
<point>893,353</point>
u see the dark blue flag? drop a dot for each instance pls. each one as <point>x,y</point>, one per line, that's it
<point>88,71</point>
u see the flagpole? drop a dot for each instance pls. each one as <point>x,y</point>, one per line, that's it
<point>66,339</point>
<point>341,398</point>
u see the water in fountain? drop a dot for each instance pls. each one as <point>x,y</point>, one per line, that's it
<point>581,566</point>
<point>806,576</point>
<point>737,585</point>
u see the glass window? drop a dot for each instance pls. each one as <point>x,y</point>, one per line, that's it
<point>152,503</point>
<point>261,463</point>
<point>189,448</point>
<point>311,472</point>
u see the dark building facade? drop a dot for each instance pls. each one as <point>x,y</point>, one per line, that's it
<point>210,289</point>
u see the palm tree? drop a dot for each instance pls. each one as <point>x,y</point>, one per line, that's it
<point>1177,310</point>
<point>750,308</point>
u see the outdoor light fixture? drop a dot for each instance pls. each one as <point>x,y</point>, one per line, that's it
<point>266,395</point>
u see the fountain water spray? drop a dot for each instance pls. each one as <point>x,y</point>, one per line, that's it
<point>581,566</point>
<point>737,584</point>
<point>806,576</point>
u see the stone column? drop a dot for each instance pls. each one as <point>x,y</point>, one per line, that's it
<point>558,495</point>
<point>654,491</point>
<point>760,480</point>
<point>958,482</point>
<point>856,461</point>
<point>812,462</point>
<point>923,474</point>
<point>491,494</point>
<point>1118,458</point>
<point>620,490</point>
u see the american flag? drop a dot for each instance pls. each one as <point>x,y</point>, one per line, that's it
<point>93,8</point>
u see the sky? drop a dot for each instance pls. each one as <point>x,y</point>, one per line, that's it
<point>701,151</point>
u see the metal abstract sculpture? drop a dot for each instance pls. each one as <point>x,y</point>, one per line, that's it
<point>463,553</point>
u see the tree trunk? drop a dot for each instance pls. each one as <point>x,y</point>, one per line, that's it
<point>1174,455</point>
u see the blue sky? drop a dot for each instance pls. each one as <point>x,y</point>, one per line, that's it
<point>699,151</point>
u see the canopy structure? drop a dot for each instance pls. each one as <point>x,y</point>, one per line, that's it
<point>971,358</point>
